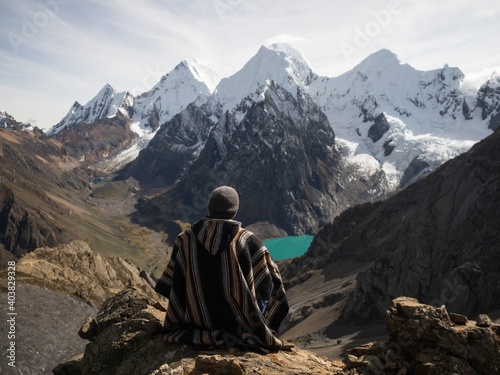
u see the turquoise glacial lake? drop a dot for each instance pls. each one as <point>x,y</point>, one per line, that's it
<point>288,247</point>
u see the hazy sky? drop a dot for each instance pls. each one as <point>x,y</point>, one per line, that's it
<point>55,52</point>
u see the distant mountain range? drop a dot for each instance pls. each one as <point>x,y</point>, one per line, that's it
<point>295,143</point>
<point>427,118</point>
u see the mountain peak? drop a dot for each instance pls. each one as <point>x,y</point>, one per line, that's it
<point>288,50</point>
<point>105,104</point>
<point>278,62</point>
<point>378,61</point>
<point>200,72</point>
<point>107,88</point>
<point>5,118</point>
<point>493,80</point>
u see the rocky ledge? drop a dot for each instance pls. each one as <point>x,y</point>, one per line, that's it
<point>125,339</point>
<point>427,340</point>
<point>423,340</point>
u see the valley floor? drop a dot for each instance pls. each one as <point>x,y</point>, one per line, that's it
<point>317,303</point>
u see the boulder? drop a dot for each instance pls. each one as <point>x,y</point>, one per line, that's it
<point>423,339</point>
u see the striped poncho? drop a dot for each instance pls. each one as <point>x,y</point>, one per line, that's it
<point>223,288</point>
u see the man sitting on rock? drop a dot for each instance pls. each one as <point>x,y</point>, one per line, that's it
<point>223,287</point>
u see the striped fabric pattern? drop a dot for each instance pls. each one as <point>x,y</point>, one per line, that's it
<point>217,280</point>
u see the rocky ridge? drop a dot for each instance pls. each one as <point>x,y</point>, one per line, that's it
<point>438,241</point>
<point>48,197</point>
<point>125,339</point>
<point>9,122</point>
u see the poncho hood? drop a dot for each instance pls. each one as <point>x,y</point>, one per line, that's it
<point>216,234</point>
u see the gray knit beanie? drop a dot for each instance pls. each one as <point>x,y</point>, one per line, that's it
<point>223,203</point>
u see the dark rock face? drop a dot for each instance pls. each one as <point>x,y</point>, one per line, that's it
<point>172,150</point>
<point>378,129</point>
<point>488,98</point>
<point>388,147</point>
<point>438,240</point>
<point>495,120</point>
<point>21,231</point>
<point>466,111</point>
<point>277,152</point>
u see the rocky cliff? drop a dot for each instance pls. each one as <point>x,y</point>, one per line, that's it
<point>96,141</point>
<point>487,101</point>
<point>427,340</point>
<point>125,339</point>
<point>438,240</point>
<point>172,150</point>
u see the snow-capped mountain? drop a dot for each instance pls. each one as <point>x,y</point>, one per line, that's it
<point>275,148</point>
<point>388,117</point>
<point>429,119</point>
<point>278,62</point>
<point>9,122</point>
<point>105,104</point>
<point>190,81</point>
<point>488,100</point>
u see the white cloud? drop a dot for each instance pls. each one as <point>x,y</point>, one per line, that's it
<point>473,81</point>
<point>284,38</point>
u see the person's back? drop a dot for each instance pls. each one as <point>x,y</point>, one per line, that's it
<point>224,289</point>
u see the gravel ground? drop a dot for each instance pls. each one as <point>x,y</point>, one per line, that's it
<point>46,330</point>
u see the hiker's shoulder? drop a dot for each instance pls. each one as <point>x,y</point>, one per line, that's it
<point>250,239</point>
